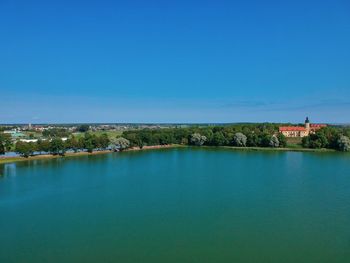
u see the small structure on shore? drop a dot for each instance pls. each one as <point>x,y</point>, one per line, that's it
<point>300,131</point>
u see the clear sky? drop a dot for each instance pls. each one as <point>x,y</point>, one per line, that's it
<point>174,61</point>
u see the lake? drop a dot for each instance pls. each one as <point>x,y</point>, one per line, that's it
<point>177,205</point>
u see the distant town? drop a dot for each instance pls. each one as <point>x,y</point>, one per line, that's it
<point>33,132</point>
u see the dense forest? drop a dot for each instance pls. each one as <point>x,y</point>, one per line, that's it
<point>242,135</point>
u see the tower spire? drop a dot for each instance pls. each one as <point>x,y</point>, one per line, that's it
<point>307,126</point>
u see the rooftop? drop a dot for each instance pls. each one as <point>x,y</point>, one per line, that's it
<point>292,128</point>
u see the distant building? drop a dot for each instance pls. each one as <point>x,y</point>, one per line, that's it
<point>43,139</point>
<point>28,140</point>
<point>299,131</point>
<point>15,134</point>
<point>38,128</point>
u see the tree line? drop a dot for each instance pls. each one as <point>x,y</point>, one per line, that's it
<point>62,132</point>
<point>56,146</point>
<point>248,135</point>
<point>329,137</point>
<point>240,135</point>
<point>5,142</point>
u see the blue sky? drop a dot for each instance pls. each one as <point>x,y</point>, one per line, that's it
<point>174,61</point>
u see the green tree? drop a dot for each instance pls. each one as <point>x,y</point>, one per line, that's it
<point>43,145</point>
<point>264,139</point>
<point>318,140</point>
<point>81,143</point>
<point>73,143</point>
<point>5,142</point>
<point>305,142</point>
<point>282,140</point>
<point>184,141</point>
<point>331,135</point>
<point>57,146</point>
<point>56,132</point>
<point>132,136</point>
<point>253,139</point>
<point>25,149</point>
<point>103,141</point>
<point>218,139</point>
<point>83,128</point>
<point>89,142</point>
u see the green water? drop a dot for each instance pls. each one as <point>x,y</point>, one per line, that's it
<point>177,205</point>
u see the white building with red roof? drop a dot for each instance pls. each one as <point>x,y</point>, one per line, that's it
<point>301,131</point>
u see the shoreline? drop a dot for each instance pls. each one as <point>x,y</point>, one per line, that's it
<point>4,160</point>
<point>152,147</point>
<point>48,156</point>
<point>284,149</point>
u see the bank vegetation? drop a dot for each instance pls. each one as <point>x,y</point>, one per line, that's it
<point>253,136</point>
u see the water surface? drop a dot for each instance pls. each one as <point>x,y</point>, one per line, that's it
<point>177,205</point>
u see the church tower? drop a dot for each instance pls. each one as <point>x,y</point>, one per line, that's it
<point>307,126</point>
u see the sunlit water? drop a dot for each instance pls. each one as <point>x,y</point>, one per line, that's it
<point>177,205</point>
